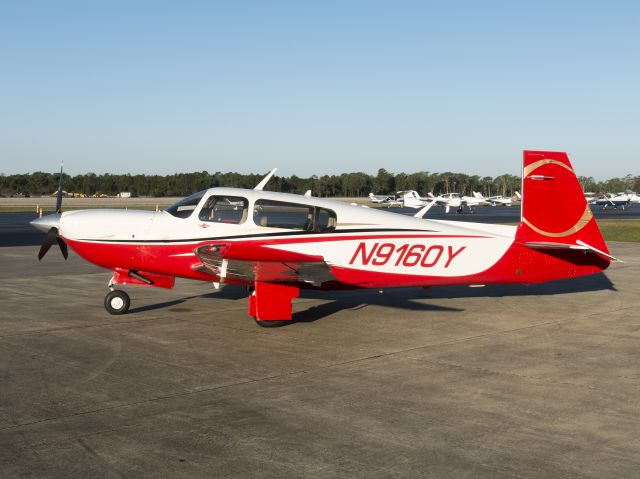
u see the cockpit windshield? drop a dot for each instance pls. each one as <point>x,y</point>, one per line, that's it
<point>184,207</point>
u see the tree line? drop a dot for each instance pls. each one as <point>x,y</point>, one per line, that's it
<point>344,185</point>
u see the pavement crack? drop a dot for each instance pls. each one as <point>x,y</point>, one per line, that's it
<point>99,458</point>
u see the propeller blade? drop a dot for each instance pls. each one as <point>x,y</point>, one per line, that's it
<point>52,235</point>
<point>63,247</point>
<point>59,195</point>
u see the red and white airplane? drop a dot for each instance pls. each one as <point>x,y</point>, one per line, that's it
<point>279,243</point>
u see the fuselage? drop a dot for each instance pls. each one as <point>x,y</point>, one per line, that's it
<point>363,247</point>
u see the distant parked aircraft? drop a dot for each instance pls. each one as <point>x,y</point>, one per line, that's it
<point>456,200</point>
<point>448,200</point>
<point>502,200</point>
<point>379,198</point>
<point>387,200</point>
<point>412,199</point>
<point>620,200</point>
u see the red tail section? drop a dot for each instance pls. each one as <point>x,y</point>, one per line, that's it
<point>555,213</point>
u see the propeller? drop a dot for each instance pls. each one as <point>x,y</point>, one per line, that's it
<point>52,237</point>
<point>50,224</point>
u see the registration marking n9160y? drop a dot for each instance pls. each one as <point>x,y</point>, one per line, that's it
<point>406,254</point>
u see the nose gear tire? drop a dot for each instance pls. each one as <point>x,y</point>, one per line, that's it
<point>117,302</point>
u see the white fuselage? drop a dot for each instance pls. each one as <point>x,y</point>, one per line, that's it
<point>364,239</point>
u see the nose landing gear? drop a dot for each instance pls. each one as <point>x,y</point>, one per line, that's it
<point>270,303</point>
<point>117,302</point>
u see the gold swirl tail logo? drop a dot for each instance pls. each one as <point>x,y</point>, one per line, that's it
<point>581,223</point>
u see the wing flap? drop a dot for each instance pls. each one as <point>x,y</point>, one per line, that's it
<point>246,262</point>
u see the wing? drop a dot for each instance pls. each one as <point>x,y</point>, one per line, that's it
<point>246,262</point>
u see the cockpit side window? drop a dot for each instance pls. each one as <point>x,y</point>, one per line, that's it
<point>225,209</point>
<point>325,220</point>
<point>186,206</point>
<point>293,216</point>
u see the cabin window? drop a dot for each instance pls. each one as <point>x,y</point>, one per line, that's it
<point>293,216</point>
<point>186,206</point>
<point>225,209</point>
<point>326,220</point>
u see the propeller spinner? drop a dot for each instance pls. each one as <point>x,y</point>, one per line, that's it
<point>49,224</point>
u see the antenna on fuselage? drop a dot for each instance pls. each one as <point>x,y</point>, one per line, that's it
<point>264,181</point>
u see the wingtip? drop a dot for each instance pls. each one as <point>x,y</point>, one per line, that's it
<point>260,186</point>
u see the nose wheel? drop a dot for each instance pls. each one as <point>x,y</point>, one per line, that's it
<point>117,302</point>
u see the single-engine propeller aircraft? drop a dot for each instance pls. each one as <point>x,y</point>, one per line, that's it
<point>377,199</point>
<point>456,200</point>
<point>279,243</point>
<point>502,200</point>
<point>621,200</point>
<point>386,200</point>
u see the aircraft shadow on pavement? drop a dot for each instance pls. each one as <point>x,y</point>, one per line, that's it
<point>164,304</point>
<point>229,291</point>
<point>411,299</point>
<point>151,307</point>
<point>353,303</point>
<point>596,282</point>
<point>406,298</point>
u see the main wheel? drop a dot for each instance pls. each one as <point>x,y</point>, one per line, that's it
<point>117,302</point>
<point>272,323</point>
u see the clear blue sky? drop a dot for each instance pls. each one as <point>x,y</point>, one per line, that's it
<point>318,87</point>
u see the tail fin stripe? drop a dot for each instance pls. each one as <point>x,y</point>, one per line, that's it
<point>581,223</point>
<point>537,164</point>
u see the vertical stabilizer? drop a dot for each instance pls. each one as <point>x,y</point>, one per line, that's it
<point>554,209</point>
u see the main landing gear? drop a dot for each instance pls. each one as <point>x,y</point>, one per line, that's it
<point>272,323</point>
<point>270,303</point>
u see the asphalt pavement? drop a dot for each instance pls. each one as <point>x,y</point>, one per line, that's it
<point>502,381</point>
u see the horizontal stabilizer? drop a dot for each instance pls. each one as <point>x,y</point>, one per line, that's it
<point>579,245</point>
